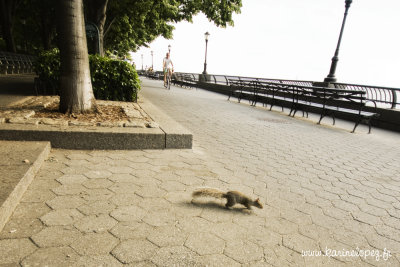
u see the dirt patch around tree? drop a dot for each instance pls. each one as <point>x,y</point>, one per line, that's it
<point>44,110</point>
<point>103,113</point>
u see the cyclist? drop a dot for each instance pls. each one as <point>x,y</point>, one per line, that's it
<point>168,66</point>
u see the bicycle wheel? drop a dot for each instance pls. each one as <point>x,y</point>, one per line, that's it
<point>169,82</point>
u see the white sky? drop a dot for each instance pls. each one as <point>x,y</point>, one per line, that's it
<point>291,39</point>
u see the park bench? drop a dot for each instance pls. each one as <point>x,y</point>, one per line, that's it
<point>275,94</point>
<point>242,89</point>
<point>326,101</point>
<point>333,101</point>
<point>3,64</point>
<point>7,66</point>
<point>11,63</point>
<point>189,81</point>
<point>153,75</point>
<point>184,79</point>
<point>177,79</point>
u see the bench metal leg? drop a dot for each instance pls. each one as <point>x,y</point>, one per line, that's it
<point>367,121</point>
<point>321,117</point>
<point>325,113</point>
<point>294,112</point>
<point>254,101</point>
<point>355,126</point>
<point>230,95</point>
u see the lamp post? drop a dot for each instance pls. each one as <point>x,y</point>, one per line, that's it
<point>205,59</point>
<point>152,68</point>
<point>169,49</point>
<point>331,76</point>
<point>142,61</point>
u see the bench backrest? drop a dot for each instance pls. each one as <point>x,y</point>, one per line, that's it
<point>333,94</point>
<point>241,84</point>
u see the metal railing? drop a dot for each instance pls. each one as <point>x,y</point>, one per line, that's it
<point>385,97</point>
<point>11,63</point>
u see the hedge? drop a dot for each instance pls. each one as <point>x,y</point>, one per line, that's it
<point>111,79</point>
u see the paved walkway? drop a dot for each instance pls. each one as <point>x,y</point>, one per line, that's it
<point>15,87</point>
<point>324,190</point>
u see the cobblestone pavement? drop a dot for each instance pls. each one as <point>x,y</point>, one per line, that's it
<point>324,190</point>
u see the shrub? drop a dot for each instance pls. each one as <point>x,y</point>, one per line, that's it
<point>47,67</point>
<point>111,79</point>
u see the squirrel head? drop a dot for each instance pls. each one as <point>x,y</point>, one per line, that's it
<point>257,203</point>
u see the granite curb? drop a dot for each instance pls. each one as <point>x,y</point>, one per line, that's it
<point>176,136</point>
<point>20,161</point>
<point>162,133</point>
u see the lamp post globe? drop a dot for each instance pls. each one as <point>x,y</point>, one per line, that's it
<point>169,48</point>
<point>206,35</point>
<point>331,76</point>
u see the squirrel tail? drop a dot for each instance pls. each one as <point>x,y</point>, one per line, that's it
<point>208,192</point>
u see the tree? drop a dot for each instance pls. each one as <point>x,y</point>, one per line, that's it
<point>75,85</point>
<point>96,13</point>
<point>125,25</point>
<point>27,25</point>
<point>7,13</point>
<point>147,19</point>
<point>43,22</point>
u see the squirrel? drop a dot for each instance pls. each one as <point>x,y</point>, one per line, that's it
<point>233,197</point>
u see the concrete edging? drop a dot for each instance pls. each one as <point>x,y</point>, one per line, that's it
<point>176,136</point>
<point>169,134</point>
<point>13,199</point>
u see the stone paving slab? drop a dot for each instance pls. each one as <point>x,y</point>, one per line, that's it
<point>15,87</point>
<point>19,163</point>
<point>134,208</point>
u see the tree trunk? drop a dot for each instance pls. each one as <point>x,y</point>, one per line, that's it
<point>7,8</point>
<point>101,21</point>
<point>76,94</point>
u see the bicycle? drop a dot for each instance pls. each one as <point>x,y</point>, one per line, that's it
<point>169,78</point>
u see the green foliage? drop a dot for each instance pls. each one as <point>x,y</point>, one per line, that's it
<point>111,79</point>
<point>34,25</point>
<point>125,25</point>
<point>132,24</point>
<point>47,67</point>
<point>2,44</point>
